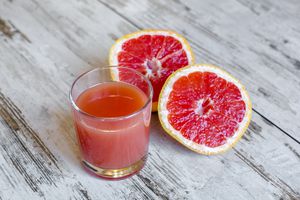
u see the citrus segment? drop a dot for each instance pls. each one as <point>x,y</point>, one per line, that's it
<point>204,108</point>
<point>154,53</point>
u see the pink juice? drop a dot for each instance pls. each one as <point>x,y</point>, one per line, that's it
<point>113,131</point>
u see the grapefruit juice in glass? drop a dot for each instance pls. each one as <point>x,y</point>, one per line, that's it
<point>112,109</point>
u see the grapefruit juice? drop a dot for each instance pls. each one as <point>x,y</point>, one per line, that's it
<point>112,121</point>
<point>113,144</point>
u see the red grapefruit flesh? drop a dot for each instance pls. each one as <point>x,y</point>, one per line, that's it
<point>204,108</point>
<point>154,53</point>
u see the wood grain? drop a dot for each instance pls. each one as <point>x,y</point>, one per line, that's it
<point>256,41</point>
<point>44,45</point>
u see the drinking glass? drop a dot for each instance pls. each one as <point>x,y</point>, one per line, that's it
<point>112,147</point>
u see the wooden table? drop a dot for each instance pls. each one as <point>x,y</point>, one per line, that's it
<point>45,44</point>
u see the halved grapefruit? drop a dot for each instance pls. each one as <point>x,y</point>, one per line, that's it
<point>204,108</point>
<point>154,53</point>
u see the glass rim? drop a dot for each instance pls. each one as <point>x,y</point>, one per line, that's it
<point>74,105</point>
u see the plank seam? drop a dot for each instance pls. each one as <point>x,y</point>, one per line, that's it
<point>138,27</point>
<point>272,123</point>
<point>120,14</point>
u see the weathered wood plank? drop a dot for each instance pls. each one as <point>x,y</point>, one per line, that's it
<point>27,164</point>
<point>257,41</point>
<point>66,40</point>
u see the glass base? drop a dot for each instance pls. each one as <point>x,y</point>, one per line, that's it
<point>115,173</point>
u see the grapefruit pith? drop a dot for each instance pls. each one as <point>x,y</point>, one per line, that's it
<point>204,108</point>
<point>154,53</point>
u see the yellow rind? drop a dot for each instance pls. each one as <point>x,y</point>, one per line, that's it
<point>248,114</point>
<point>147,31</point>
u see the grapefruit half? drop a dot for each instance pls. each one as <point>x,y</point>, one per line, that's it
<point>154,53</point>
<point>204,108</point>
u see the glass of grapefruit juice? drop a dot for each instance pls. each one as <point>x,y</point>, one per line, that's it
<point>112,109</point>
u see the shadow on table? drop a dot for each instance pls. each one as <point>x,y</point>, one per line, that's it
<point>68,148</point>
<point>160,137</point>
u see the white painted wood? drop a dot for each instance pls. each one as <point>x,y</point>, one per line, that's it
<point>44,46</point>
<point>257,41</point>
